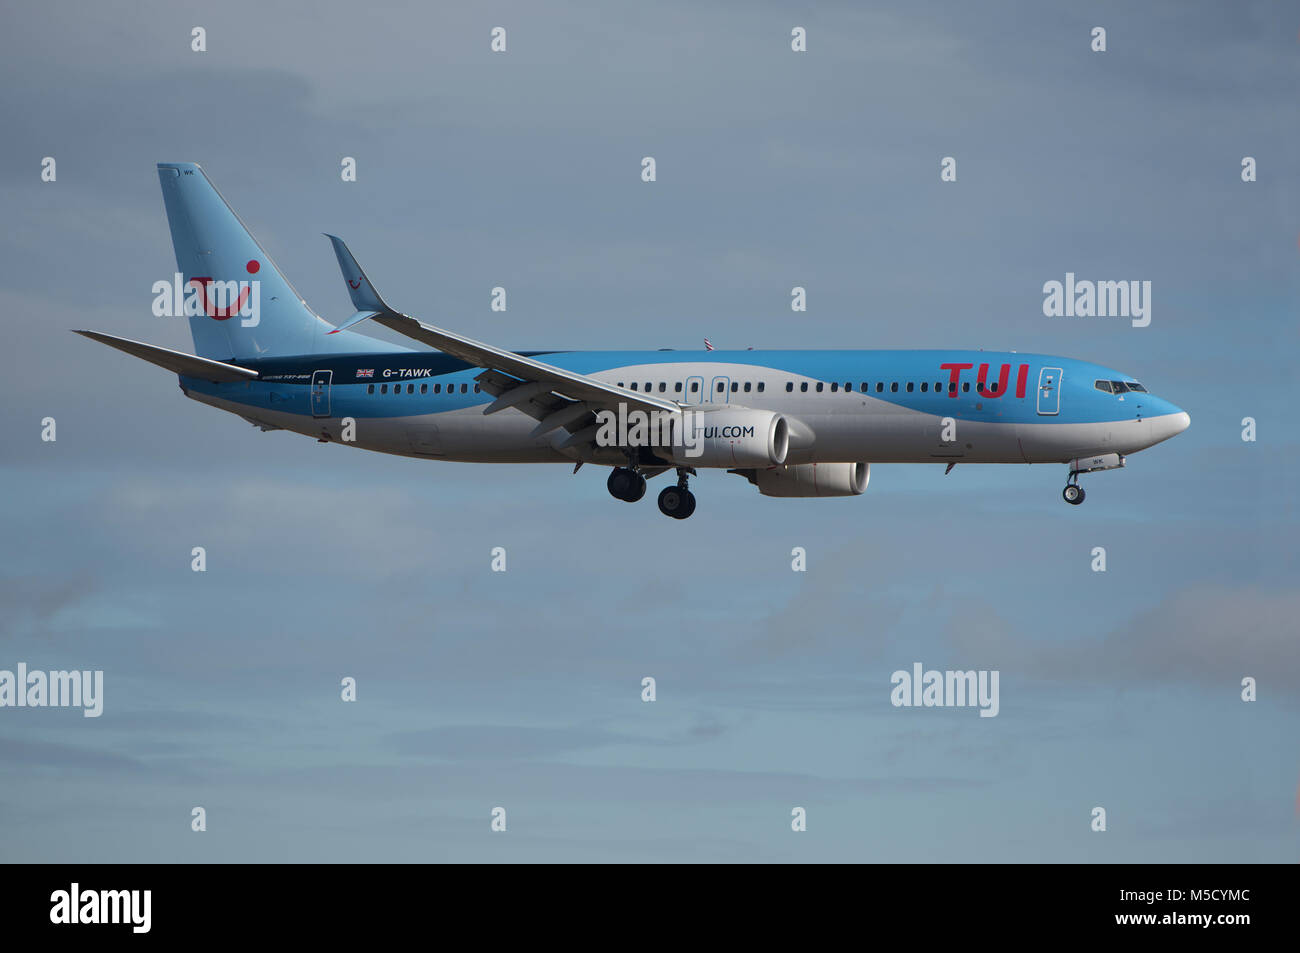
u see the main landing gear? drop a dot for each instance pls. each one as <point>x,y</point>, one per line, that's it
<point>628,485</point>
<point>1073,493</point>
<point>677,501</point>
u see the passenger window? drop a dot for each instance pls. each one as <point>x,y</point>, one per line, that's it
<point>835,387</point>
<point>695,387</point>
<point>663,386</point>
<point>410,388</point>
<point>634,385</point>
<point>648,387</point>
<point>477,388</point>
<point>952,387</point>
<point>965,388</point>
<point>734,386</point>
<point>721,387</point>
<point>464,388</point>
<point>370,389</point>
<point>979,387</point>
<point>789,386</point>
<point>925,387</point>
<point>848,385</point>
<point>748,385</point>
<point>880,386</point>
<point>910,385</point>
<point>761,385</point>
<point>893,388</point>
<point>866,387</point>
<point>803,387</point>
<point>820,385</point>
<point>383,388</point>
<point>424,388</point>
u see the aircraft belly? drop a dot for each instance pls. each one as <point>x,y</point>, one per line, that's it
<point>1050,442</point>
<point>886,433</point>
<point>868,431</point>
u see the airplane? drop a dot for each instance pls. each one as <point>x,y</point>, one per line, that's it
<point>794,423</point>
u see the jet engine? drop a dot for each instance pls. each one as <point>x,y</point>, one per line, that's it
<point>736,437</point>
<point>811,479</point>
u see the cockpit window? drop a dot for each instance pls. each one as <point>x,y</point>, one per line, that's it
<point>1134,385</point>
<point>1119,387</point>
<point>1102,385</point>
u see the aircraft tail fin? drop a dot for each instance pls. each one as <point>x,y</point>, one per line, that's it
<point>240,306</point>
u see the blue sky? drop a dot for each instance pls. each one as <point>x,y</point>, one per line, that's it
<point>522,689</point>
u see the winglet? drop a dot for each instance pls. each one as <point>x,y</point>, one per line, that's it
<point>364,296</point>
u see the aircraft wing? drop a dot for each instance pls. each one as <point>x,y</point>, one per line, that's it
<point>545,392</point>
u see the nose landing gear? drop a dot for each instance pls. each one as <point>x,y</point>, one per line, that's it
<point>1073,493</point>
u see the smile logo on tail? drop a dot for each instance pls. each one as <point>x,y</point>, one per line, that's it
<point>223,314</point>
<point>354,283</point>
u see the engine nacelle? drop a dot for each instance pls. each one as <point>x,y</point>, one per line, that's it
<point>729,438</point>
<point>812,479</point>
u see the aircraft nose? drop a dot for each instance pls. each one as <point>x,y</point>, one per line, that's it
<point>1169,424</point>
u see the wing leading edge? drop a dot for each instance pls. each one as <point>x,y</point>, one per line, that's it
<point>553,396</point>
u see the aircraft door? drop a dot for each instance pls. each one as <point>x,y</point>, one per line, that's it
<point>720,390</point>
<point>1049,391</point>
<point>695,390</point>
<point>320,393</point>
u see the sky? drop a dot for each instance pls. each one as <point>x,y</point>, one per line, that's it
<point>523,689</point>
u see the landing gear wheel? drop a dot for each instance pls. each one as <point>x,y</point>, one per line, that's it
<point>625,484</point>
<point>1073,494</point>
<point>677,502</point>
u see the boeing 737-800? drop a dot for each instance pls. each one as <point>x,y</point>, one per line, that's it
<point>794,423</point>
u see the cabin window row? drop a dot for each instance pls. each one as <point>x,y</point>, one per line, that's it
<point>737,387</point>
<point>865,387</point>
<point>424,388</point>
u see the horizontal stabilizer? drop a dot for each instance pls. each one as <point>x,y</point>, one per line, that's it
<point>176,361</point>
